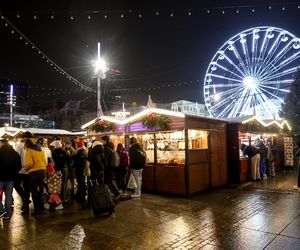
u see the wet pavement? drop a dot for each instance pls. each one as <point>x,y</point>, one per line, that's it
<point>250,216</point>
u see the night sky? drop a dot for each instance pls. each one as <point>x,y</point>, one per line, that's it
<point>163,53</point>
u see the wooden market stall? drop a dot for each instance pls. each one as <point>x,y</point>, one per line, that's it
<point>186,153</point>
<point>248,130</point>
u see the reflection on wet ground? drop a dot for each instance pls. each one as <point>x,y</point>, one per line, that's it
<point>256,215</point>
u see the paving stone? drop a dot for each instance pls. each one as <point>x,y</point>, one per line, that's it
<point>286,243</point>
<point>293,229</point>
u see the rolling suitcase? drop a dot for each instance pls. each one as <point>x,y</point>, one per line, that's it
<point>99,198</point>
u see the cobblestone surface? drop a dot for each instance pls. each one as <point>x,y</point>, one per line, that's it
<point>242,217</point>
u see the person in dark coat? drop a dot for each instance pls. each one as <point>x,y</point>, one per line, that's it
<point>109,178</point>
<point>137,164</point>
<point>60,159</point>
<point>263,160</point>
<point>79,163</point>
<point>97,161</point>
<point>9,168</point>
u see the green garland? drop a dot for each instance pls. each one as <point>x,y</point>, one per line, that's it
<point>103,126</point>
<point>156,121</point>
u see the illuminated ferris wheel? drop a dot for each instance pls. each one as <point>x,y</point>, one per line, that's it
<point>251,73</point>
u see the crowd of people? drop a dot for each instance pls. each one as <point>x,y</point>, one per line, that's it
<point>51,175</point>
<point>262,156</point>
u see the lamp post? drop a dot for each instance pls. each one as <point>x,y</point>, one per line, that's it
<point>99,70</point>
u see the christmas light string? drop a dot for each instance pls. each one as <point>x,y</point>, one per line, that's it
<point>7,23</point>
<point>122,14</point>
<point>50,91</point>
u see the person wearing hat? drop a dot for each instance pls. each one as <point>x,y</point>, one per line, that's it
<point>79,164</point>
<point>21,184</point>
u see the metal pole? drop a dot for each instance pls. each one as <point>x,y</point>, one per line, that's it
<point>99,109</point>
<point>11,104</point>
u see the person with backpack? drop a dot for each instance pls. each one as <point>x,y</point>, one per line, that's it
<point>137,164</point>
<point>253,154</point>
<point>124,166</point>
<point>109,177</point>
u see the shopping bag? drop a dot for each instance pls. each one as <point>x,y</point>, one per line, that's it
<point>131,182</point>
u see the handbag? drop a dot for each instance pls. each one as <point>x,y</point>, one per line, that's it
<point>131,182</point>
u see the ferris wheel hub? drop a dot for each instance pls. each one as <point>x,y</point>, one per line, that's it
<point>250,82</point>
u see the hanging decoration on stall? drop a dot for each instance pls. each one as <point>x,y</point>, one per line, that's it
<point>103,126</point>
<point>255,126</point>
<point>156,121</point>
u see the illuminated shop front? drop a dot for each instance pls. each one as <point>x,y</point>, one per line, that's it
<point>185,154</point>
<point>249,131</point>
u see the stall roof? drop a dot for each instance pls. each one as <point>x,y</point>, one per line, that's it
<point>37,131</point>
<point>265,123</point>
<point>11,131</point>
<point>118,120</point>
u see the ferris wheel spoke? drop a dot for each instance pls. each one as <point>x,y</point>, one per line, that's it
<point>238,56</point>
<point>272,63</point>
<point>271,94</point>
<point>274,88</point>
<point>231,91</point>
<point>263,100</point>
<point>284,63</point>
<point>229,71</point>
<point>238,106</point>
<point>228,99</point>
<point>280,74</point>
<point>262,52</point>
<point>235,66</point>
<point>226,78</point>
<point>247,57</point>
<point>286,81</point>
<point>269,55</point>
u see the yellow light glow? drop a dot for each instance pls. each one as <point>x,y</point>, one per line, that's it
<point>281,126</point>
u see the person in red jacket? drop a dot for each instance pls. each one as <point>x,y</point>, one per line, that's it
<point>123,168</point>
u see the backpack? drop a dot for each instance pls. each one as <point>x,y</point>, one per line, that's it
<point>115,160</point>
<point>141,158</point>
<point>124,159</point>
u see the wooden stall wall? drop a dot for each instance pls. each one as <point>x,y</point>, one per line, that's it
<point>218,155</point>
<point>198,170</point>
<point>233,155</point>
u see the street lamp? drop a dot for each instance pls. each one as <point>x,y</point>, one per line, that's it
<point>99,70</point>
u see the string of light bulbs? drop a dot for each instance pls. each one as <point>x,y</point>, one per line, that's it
<point>55,66</point>
<point>106,14</point>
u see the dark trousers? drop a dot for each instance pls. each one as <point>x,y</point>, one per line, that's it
<point>36,189</point>
<point>81,187</point>
<point>110,181</point>
<point>22,187</point>
<point>63,192</point>
<point>122,178</point>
